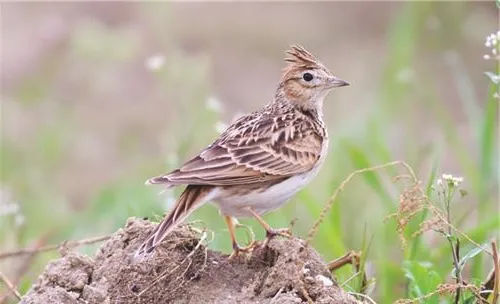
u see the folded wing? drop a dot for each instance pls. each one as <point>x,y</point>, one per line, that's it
<point>256,148</point>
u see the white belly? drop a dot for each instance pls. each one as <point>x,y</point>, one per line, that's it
<point>264,201</point>
<point>270,199</point>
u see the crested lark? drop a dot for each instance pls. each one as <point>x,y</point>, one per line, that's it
<point>263,158</point>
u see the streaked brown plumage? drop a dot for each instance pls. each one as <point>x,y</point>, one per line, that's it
<point>263,158</point>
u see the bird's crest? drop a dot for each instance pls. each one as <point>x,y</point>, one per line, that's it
<point>299,56</point>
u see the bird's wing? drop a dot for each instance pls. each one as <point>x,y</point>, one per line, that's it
<point>258,147</point>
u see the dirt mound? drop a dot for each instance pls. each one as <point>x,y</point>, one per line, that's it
<point>183,270</point>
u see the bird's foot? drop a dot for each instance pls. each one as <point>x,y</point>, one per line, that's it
<point>237,250</point>
<point>270,233</point>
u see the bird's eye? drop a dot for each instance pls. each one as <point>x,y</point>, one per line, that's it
<point>307,77</point>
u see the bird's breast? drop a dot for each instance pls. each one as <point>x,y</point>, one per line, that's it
<point>267,196</point>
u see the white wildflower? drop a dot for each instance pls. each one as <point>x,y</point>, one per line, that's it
<point>9,208</point>
<point>155,62</point>
<point>492,43</point>
<point>457,180</point>
<point>214,104</point>
<point>19,219</point>
<point>447,177</point>
<point>450,180</point>
<point>492,40</point>
<point>405,75</point>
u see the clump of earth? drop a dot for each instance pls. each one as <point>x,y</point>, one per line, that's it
<point>184,270</point>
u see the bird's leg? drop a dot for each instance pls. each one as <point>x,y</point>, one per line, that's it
<point>249,233</point>
<point>236,248</point>
<point>270,231</point>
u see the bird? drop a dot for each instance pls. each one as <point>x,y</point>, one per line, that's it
<point>262,159</point>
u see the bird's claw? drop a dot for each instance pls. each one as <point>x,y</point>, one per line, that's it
<point>286,232</point>
<point>237,250</point>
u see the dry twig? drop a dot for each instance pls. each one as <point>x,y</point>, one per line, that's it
<point>445,288</point>
<point>273,300</point>
<point>348,258</point>
<point>488,285</point>
<point>65,244</point>
<point>25,265</point>
<point>366,297</point>
<point>496,290</point>
<point>10,286</point>
<point>167,272</point>
<point>305,294</point>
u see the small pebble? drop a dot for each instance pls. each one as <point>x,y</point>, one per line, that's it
<point>305,271</point>
<point>309,280</point>
<point>326,281</point>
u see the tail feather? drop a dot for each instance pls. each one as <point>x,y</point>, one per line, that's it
<point>159,180</point>
<point>192,197</point>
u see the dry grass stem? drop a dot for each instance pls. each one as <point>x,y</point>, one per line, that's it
<point>349,258</point>
<point>273,300</point>
<point>496,281</point>
<point>488,285</point>
<point>331,200</point>
<point>204,237</point>
<point>365,297</point>
<point>26,264</point>
<point>412,202</point>
<point>465,236</point>
<point>443,289</point>
<point>10,286</point>
<point>66,245</point>
<point>199,270</point>
<point>305,294</point>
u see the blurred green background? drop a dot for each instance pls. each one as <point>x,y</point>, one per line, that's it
<point>98,97</point>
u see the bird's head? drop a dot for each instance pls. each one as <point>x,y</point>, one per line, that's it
<point>306,81</point>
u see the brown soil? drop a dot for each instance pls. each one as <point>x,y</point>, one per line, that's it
<point>183,270</point>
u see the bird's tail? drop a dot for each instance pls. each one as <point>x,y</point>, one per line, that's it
<point>192,197</point>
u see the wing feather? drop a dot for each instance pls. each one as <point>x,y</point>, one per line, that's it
<point>265,145</point>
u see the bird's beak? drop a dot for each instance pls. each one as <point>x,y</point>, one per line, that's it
<point>334,82</point>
